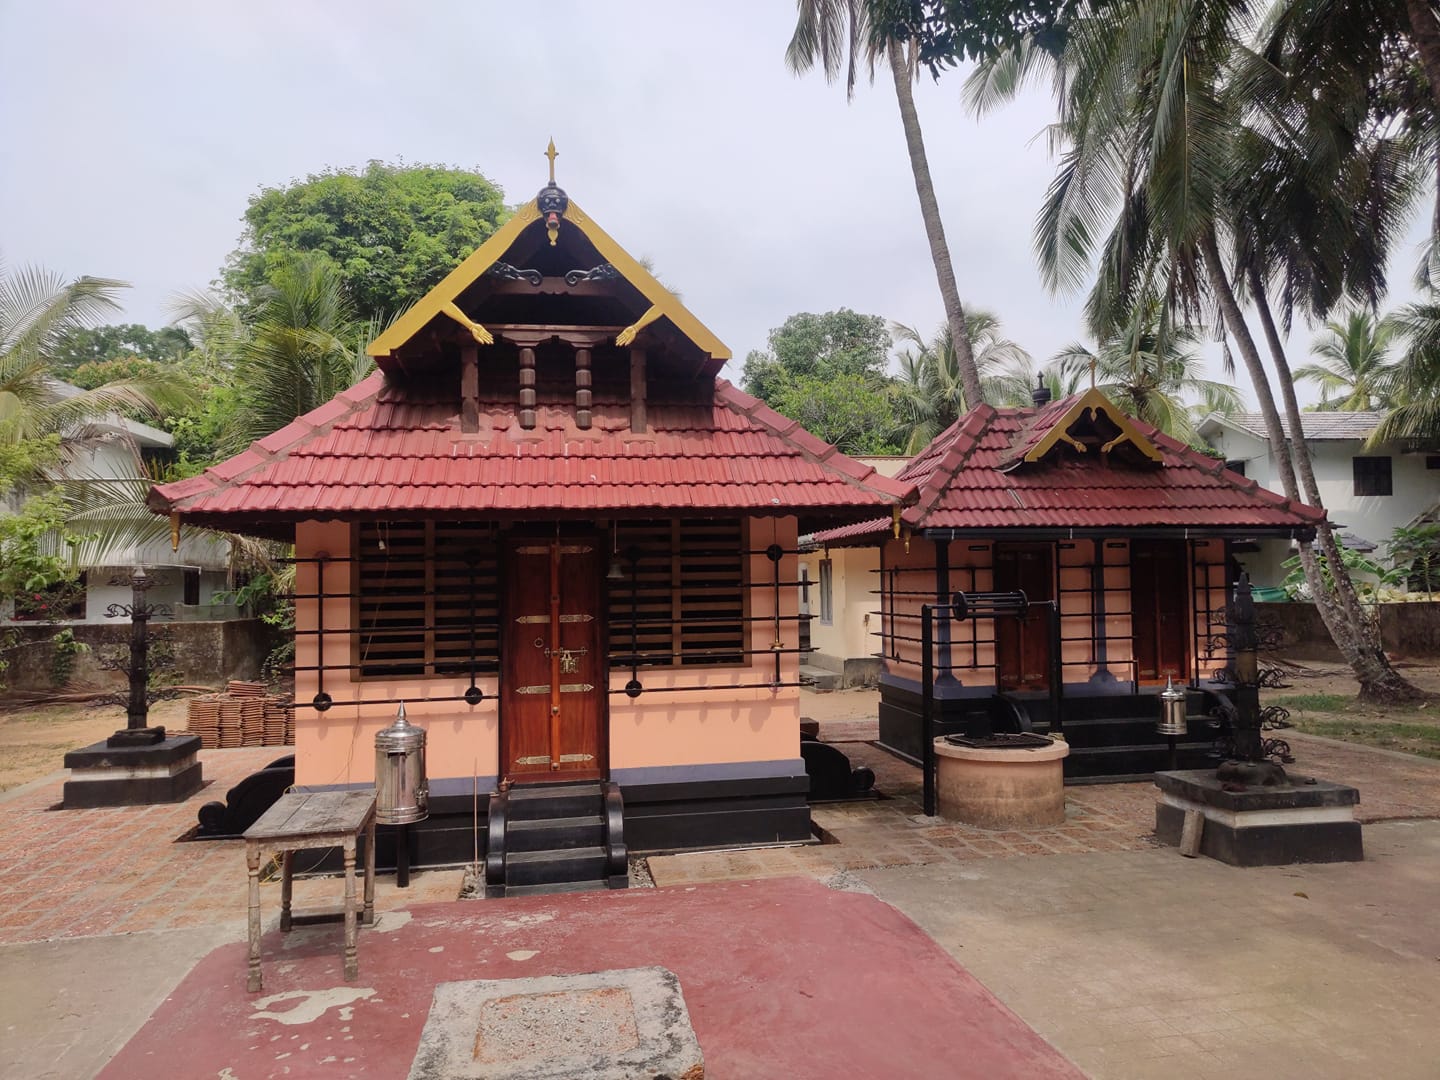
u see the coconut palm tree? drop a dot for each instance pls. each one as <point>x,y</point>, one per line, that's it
<point>930,393</point>
<point>36,308</point>
<point>301,347</point>
<point>1354,372</point>
<point>1150,120</point>
<point>1416,413</point>
<point>839,35</point>
<point>1150,369</point>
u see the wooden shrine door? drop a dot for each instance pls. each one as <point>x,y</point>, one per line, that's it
<point>1159,584</point>
<point>1022,646</point>
<point>553,682</point>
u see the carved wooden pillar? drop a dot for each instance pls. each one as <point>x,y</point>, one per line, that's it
<point>527,388</point>
<point>469,389</point>
<point>637,389</point>
<point>582,388</point>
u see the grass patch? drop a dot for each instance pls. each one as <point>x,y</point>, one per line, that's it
<point>1313,702</point>
<point>1418,738</point>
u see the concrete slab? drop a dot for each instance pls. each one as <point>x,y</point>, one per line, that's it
<point>781,978</point>
<point>1147,964</point>
<point>608,1025</point>
<point>66,1007</point>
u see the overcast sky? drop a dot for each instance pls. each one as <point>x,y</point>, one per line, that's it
<point>132,135</point>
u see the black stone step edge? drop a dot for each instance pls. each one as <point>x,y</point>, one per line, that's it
<point>495,844</point>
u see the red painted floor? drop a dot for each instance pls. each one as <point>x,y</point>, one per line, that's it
<point>782,978</point>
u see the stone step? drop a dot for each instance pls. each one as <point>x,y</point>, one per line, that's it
<point>818,678</point>
<point>555,833</point>
<point>528,802</point>
<point>551,867</point>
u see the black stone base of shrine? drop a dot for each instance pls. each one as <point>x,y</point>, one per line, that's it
<point>669,815</point>
<point>900,718</point>
<point>1290,823</point>
<point>105,775</point>
<point>1111,733</point>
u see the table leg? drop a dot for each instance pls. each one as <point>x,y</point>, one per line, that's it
<point>370,873</point>
<point>252,862</point>
<point>352,962</point>
<point>287,867</point>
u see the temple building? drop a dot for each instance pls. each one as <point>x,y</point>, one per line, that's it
<point>1120,539</point>
<point>548,527</point>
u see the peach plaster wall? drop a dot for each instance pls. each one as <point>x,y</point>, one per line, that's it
<point>692,727</point>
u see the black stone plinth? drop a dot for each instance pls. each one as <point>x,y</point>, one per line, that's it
<point>1298,822</point>
<point>145,736</point>
<point>105,775</point>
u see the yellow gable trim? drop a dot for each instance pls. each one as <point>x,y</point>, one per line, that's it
<point>1093,401</point>
<point>663,301</point>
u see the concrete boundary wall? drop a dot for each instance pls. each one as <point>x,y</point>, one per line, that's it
<point>1410,630</point>
<point>206,653</point>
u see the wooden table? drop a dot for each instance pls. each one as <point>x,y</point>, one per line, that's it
<point>301,821</point>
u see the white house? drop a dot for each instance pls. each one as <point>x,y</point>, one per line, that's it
<point>188,577</point>
<point>1369,492</point>
<point>837,591</point>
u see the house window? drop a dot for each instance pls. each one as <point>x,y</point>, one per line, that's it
<point>191,586</point>
<point>827,592</point>
<point>1237,467</point>
<point>415,604</point>
<point>681,601</point>
<point>1372,476</point>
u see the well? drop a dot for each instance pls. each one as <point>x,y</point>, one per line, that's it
<point>1001,789</point>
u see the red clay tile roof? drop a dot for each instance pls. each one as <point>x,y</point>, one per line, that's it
<point>961,485</point>
<point>385,449</point>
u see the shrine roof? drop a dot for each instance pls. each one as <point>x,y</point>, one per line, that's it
<point>1008,468</point>
<point>385,447</point>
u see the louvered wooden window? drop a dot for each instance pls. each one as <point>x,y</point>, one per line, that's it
<point>420,586</point>
<point>686,598</point>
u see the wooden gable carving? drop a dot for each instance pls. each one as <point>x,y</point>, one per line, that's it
<point>1091,425</point>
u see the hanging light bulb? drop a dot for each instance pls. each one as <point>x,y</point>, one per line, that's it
<point>617,568</point>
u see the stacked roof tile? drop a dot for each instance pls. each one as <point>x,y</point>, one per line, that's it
<point>381,448</point>
<point>967,479</point>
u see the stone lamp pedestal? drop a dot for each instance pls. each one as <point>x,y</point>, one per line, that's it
<point>1298,821</point>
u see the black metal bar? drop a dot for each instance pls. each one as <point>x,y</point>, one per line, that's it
<point>321,701</point>
<point>717,686</point>
<point>1057,669</point>
<point>701,620</point>
<point>927,708</point>
<point>402,857</point>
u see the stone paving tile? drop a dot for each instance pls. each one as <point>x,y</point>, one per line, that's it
<point>893,831</point>
<point>74,873</point>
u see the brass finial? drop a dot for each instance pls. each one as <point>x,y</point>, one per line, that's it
<point>552,154</point>
<point>1093,359</point>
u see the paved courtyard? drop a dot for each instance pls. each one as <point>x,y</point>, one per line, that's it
<point>1130,960</point>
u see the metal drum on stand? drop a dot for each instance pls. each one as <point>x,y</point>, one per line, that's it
<point>402,792</point>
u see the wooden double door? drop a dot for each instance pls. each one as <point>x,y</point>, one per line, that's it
<point>1159,612</point>
<point>1022,646</point>
<point>553,686</point>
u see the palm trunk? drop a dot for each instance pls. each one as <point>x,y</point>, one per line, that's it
<point>1425,35</point>
<point>934,228</point>
<point>1343,593</point>
<point>1349,628</point>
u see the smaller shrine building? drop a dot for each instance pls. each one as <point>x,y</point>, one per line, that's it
<point>1130,533</point>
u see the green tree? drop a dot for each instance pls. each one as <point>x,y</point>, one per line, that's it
<point>851,411</point>
<point>930,395</point>
<point>1151,114</point>
<point>37,309</point>
<point>83,345</point>
<point>836,343</point>
<point>302,345</point>
<point>1354,372</point>
<point>392,231</point>
<point>840,34</point>
<point>1152,370</point>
